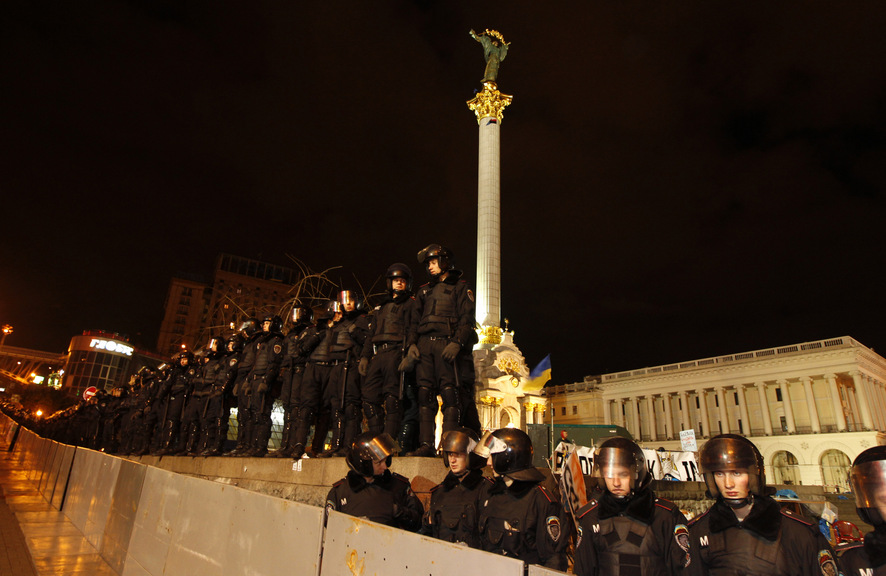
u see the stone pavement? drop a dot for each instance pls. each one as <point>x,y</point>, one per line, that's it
<point>35,538</point>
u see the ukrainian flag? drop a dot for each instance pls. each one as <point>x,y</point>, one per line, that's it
<point>539,375</point>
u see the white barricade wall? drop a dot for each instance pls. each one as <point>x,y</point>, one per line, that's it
<point>122,513</point>
<point>357,546</point>
<point>542,571</point>
<point>192,526</point>
<point>65,463</point>
<point>93,478</point>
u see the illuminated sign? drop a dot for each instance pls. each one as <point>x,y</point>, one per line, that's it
<point>111,346</point>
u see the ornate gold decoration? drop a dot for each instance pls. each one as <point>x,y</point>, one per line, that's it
<point>490,103</point>
<point>509,364</point>
<point>489,335</point>
<point>490,400</point>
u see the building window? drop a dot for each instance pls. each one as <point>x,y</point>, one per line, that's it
<point>564,411</point>
<point>778,394</point>
<point>697,404</point>
<point>717,401</point>
<point>735,394</point>
<point>574,410</point>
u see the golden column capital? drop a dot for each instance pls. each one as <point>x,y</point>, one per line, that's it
<point>489,103</point>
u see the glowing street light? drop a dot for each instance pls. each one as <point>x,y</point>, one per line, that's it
<point>7,330</point>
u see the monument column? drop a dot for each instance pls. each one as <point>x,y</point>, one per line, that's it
<point>703,405</point>
<point>788,407</point>
<point>837,400</point>
<point>723,413</point>
<point>745,427</point>
<point>650,414</point>
<point>684,411</point>
<point>669,417</point>
<point>861,396</point>
<point>810,401</point>
<point>764,408</point>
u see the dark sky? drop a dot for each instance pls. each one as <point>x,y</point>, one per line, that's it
<point>679,180</point>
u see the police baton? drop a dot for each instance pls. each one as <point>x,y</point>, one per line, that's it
<point>344,382</point>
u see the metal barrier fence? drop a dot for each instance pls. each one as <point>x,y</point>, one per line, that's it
<point>145,521</point>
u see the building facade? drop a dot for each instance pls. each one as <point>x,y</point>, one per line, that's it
<point>241,287</point>
<point>811,408</point>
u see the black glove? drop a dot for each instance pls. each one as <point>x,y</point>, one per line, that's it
<point>408,362</point>
<point>363,367</point>
<point>262,386</point>
<point>451,351</point>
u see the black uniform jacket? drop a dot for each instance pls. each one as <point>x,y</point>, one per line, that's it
<point>768,542</point>
<point>643,535</point>
<point>388,499</point>
<point>867,559</point>
<point>454,509</point>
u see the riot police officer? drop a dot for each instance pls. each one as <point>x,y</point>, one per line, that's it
<point>261,385</point>
<point>251,330</point>
<point>454,509</point>
<point>202,386</point>
<point>371,490</point>
<point>291,372</point>
<point>518,516</point>
<point>383,364</point>
<point>745,531</point>
<point>627,529</point>
<point>216,413</point>
<point>175,389</point>
<point>868,480</point>
<point>444,324</point>
<point>316,347</point>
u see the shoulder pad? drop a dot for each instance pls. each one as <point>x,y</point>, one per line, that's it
<point>789,514</point>
<point>339,482</point>
<point>666,504</point>
<point>586,508</point>
<point>401,478</point>
<point>545,492</point>
<point>436,487</point>
<point>699,517</point>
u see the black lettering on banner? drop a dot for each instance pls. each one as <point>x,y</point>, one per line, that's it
<point>569,489</point>
<point>651,465</point>
<point>691,471</point>
<point>587,465</point>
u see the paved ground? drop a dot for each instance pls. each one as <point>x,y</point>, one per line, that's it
<point>35,538</point>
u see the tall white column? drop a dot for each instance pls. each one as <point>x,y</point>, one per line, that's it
<point>722,413</point>
<point>685,414</point>
<point>669,417</point>
<point>861,397</point>
<point>635,416</point>
<point>837,401</point>
<point>810,402</point>
<point>880,387</point>
<point>876,405</point>
<point>703,406</point>
<point>764,408</point>
<point>620,412</point>
<point>607,417</point>
<point>788,407</point>
<point>650,414</point>
<point>743,410</point>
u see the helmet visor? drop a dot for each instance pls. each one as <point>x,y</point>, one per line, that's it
<point>614,461</point>
<point>457,441</point>
<point>489,445</point>
<point>379,448</point>
<point>728,454</point>
<point>868,481</point>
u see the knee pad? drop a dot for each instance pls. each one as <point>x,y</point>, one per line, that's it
<point>426,397</point>
<point>450,398</point>
<point>352,412</point>
<point>392,405</point>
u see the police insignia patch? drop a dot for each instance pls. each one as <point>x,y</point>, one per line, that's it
<point>827,564</point>
<point>578,537</point>
<point>277,349</point>
<point>681,535</point>
<point>471,295</point>
<point>553,527</point>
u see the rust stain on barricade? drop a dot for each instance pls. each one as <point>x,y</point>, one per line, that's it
<point>353,528</point>
<point>355,563</point>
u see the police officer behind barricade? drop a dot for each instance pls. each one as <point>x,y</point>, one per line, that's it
<point>444,323</point>
<point>519,518</point>
<point>291,372</point>
<point>383,364</point>
<point>192,419</point>
<point>627,530</point>
<point>251,331</point>
<point>868,479</point>
<point>371,490</point>
<point>176,389</point>
<point>217,412</point>
<point>261,385</point>
<point>454,509</point>
<point>745,531</point>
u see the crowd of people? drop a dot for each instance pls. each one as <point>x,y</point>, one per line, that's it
<point>373,379</point>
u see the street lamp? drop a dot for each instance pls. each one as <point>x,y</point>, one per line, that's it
<point>7,330</point>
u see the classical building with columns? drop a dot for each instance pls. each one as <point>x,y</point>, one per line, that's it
<point>810,408</point>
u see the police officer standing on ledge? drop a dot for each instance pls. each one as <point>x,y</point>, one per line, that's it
<point>868,479</point>
<point>261,385</point>
<point>217,411</point>
<point>444,324</point>
<point>291,371</point>
<point>251,331</point>
<point>371,490</point>
<point>454,509</point>
<point>383,365</point>
<point>519,518</point>
<point>175,389</point>
<point>627,529</point>
<point>746,531</point>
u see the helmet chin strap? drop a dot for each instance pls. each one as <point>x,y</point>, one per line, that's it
<point>736,503</point>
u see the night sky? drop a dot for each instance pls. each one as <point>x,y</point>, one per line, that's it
<point>679,180</point>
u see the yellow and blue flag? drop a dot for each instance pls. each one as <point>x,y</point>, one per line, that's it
<point>539,375</point>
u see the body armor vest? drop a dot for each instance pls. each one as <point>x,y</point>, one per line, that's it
<point>247,357</point>
<point>440,307</point>
<point>454,514</point>
<point>181,380</point>
<point>341,339</point>
<point>735,552</point>
<point>503,527</point>
<point>224,379</point>
<point>320,353</point>
<point>203,383</point>
<point>390,323</point>
<point>264,351</point>
<point>625,548</point>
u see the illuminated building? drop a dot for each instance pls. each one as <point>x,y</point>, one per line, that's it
<point>103,360</point>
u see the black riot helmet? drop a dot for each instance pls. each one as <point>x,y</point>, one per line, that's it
<point>275,323</point>
<point>183,355</point>
<point>368,448</point>
<point>618,453</point>
<point>732,452</point>
<point>867,477</point>
<point>511,453</point>
<point>399,270</point>
<point>234,343</point>
<point>302,315</point>
<point>462,441</point>
<point>346,297</point>
<point>442,254</point>
<point>250,327</point>
<point>216,345</point>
